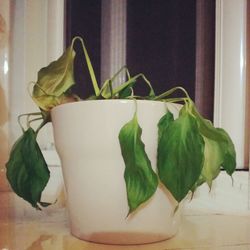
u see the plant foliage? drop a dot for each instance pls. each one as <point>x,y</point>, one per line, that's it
<point>191,151</point>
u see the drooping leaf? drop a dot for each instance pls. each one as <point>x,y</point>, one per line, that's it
<point>57,77</point>
<point>141,180</point>
<point>212,161</point>
<point>54,81</point>
<point>164,123</point>
<point>180,154</point>
<point>229,162</point>
<point>27,171</point>
<point>219,149</point>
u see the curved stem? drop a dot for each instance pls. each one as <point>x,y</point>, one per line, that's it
<point>33,120</point>
<point>173,100</point>
<point>120,71</point>
<point>111,80</point>
<point>110,88</point>
<point>151,93</point>
<point>127,72</point>
<point>89,64</point>
<point>40,126</point>
<point>171,91</point>
<point>134,78</point>
<point>27,115</point>
<point>132,92</point>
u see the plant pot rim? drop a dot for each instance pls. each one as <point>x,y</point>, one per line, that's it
<point>123,101</point>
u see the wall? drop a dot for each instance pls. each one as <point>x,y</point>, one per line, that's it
<point>230,73</point>
<point>31,36</point>
<point>4,87</point>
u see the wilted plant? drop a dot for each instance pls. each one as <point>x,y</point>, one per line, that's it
<point>191,151</point>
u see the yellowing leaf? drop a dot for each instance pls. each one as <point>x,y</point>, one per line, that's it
<point>212,162</point>
<point>219,149</point>
<point>180,154</point>
<point>57,77</point>
<point>54,81</point>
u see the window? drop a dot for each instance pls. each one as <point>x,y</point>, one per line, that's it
<point>109,28</point>
<point>160,40</point>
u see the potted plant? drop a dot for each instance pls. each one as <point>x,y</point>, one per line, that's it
<point>128,161</point>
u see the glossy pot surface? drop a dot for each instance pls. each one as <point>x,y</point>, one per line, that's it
<point>86,138</point>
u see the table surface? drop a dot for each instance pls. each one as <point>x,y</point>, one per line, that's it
<point>24,228</point>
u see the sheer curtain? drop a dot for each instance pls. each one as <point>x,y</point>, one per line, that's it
<point>31,36</point>
<point>36,40</point>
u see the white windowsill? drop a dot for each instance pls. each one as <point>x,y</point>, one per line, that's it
<point>225,197</point>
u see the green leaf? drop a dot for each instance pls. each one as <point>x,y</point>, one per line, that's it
<point>180,153</point>
<point>141,181</point>
<point>219,149</point>
<point>164,123</point>
<point>229,162</point>
<point>54,81</point>
<point>27,171</point>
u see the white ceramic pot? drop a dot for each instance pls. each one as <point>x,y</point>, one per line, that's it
<point>86,138</point>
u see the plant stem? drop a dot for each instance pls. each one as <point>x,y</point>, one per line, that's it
<point>171,91</point>
<point>40,126</point>
<point>33,120</point>
<point>134,78</point>
<point>172,100</point>
<point>89,64</point>
<point>27,115</point>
